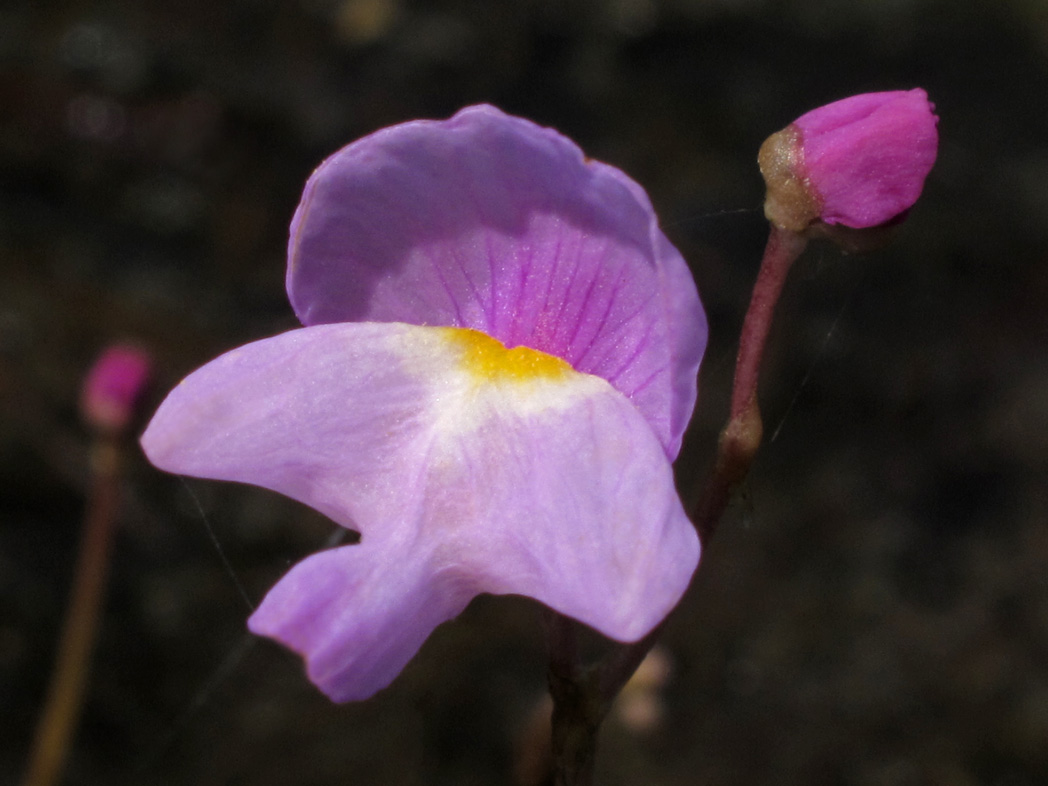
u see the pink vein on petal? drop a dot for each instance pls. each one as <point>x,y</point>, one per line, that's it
<point>648,380</point>
<point>513,328</point>
<point>637,349</point>
<point>472,285</point>
<point>447,289</point>
<point>616,287</point>
<point>559,318</point>
<point>587,296</point>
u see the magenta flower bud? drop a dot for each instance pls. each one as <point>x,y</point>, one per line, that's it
<point>859,162</point>
<point>113,388</point>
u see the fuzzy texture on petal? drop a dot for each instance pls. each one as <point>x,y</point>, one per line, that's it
<point>867,156</point>
<point>491,222</point>
<point>466,468</point>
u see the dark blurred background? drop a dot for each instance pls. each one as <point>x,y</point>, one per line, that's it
<point>874,610</point>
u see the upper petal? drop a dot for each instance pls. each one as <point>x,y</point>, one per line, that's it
<point>491,222</point>
<point>467,468</point>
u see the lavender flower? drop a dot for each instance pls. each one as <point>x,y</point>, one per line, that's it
<point>417,256</point>
<point>859,162</point>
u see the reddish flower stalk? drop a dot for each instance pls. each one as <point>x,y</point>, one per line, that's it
<point>846,171</point>
<point>741,436</point>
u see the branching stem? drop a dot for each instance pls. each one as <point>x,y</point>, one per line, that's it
<point>72,666</point>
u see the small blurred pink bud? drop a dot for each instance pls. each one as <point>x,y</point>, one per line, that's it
<point>858,163</point>
<point>113,387</point>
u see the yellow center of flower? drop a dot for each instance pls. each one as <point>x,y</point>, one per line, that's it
<point>487,358</point>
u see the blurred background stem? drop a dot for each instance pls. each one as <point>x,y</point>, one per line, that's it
<point>72,666</point>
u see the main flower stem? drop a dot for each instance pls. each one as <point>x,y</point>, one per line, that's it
<point>65,693</point>
<point>583,696</point>
<point>741,435</point>
<point>578,709</point>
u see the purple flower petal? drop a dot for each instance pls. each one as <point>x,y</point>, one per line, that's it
<point>490,222</point>
<point>358,614</point>
<point>467,468</point>
<point>867,156</point>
